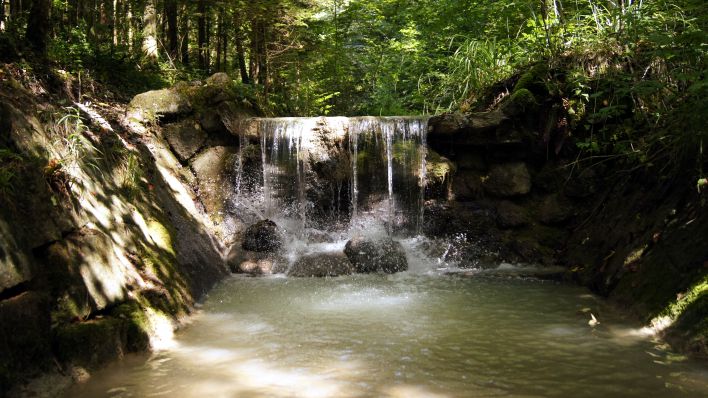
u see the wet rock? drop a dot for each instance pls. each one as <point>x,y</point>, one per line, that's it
<point>263,236</point>
<point>254,263</point>
<point>509,179</point>
<point>511,215</point>
<point>152,104</point>
<point>321,265</point>
<point>92,343</point>
<point>369,256</point>
<point>555,210</point>
<point>186,138</point>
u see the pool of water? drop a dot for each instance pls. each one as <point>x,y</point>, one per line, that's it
<point>428,334</point>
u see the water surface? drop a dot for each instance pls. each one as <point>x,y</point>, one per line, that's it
<point>406,335</point>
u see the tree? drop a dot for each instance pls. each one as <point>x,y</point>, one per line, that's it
<point>38,26</point>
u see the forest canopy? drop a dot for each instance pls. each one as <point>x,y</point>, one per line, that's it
<point>353,57</point>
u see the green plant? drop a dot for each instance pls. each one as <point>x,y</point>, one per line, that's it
<point>76,150</point>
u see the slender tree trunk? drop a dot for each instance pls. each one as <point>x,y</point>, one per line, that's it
<point>185,36</point>
<point>150,48</point>
<point>172,30</point>
<point>202,34</point>
<point>114,28</point>
<point>240,52</point>
<point>2,15</point>
<point>38,26</point>
<point>219,38</point>
<point>129,24</point>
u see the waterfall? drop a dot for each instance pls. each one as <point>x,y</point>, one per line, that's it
<point>336,173</point>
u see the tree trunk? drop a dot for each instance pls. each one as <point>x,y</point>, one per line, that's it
<point>202,34</point>
<point>185,36</point>
<point>172,39</point>
<point>150,31</point>
<point>2,15</point>
<point>219,38</point>
<point>240,53</point>
<point>38,26</point>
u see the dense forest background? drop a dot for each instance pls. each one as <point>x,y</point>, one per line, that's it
<point>350,57</point>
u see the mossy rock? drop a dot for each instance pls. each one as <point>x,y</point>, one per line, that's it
<point>136,325</point>
<point>523,99</point>
<point>92,343</point>
<point>153,104</point>
<point>533,80</point>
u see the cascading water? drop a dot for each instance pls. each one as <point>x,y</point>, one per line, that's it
<point>307,164</point>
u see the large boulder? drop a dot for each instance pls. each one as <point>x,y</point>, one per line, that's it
<point>153,104</point>
<point>186,138</point>
<point>321,265</point>
<point>386,256</point>
<point>508,179</point>
<point>262,236</point>
<point>214,168</point>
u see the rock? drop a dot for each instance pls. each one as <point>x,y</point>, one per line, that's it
<point>186,138</point>
<point>214,168</point>
<point>92,343</point>
<point>470,160</point>
<point>15,264</point>
<point>447,124</point>
<point>152,104</point>
<point>481,129</point>
<point>25,327</point>
<point>218,79</point>
<point>511,215</point>
<point>254,263</point>
<point>509,179</point>
<point>321,265</point>
<point>467,185</point>
<point>210,121</point>
<point>554,210</point>
<point>262,236</point>
<point>369,256</point>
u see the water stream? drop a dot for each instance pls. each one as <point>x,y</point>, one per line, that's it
<point>422,333</point>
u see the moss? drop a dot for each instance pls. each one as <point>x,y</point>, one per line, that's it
<point>161,236</point>
<point>90,343</point>
<point>523,99</point>
<point>438,168</point>
<point>136,325</point>
<point>533,80</point>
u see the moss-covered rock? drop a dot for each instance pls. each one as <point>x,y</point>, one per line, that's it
<point>151,105</point>
<point>92,343</point>
<point>135,325</point>
<point>533,80</point>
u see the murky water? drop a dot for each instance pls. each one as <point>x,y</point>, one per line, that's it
<point>406,335</point>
